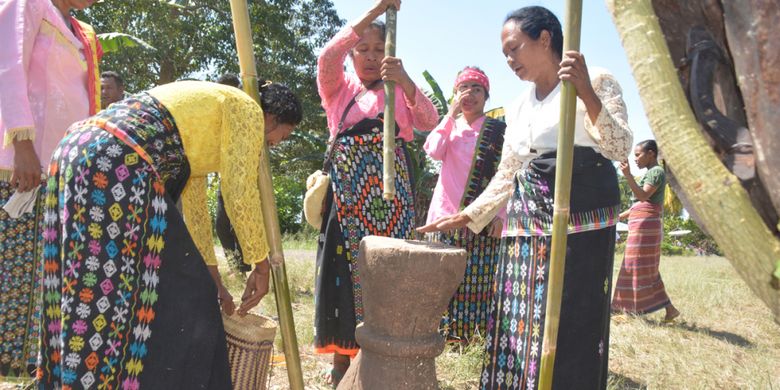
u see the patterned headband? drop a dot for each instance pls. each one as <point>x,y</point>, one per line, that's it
<point>473,74</point>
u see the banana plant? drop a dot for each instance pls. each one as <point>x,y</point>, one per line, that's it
<point>115,41</point>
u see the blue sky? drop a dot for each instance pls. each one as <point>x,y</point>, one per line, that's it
<point>443,36</point>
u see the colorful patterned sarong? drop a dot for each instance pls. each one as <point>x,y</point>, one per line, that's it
<point>468,310</point>
<point>639,288</point>
<point>515,329</point>
<point>467,313</point>
<point>20,283</point>
<point>355,209</point>
<point>128,301</point>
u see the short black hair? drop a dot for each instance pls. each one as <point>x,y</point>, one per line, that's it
<point>230,79</point>
<point>649,145</point>
<point>109,74</point>
<point>278,100</point>
<point>535,19</point>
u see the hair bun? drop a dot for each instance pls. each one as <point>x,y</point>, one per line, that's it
<point>263,84</point>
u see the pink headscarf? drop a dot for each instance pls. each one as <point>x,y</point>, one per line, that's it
<point>473,74</point>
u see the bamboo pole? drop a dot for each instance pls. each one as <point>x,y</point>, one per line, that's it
<point>388,174</point>
<point>563,163</point>
<point>246,58</point>
<point>714,193</point>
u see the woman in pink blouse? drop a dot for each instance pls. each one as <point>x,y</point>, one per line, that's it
<point>468,144</point>
<point>354,208</point>
<point>48,80</point>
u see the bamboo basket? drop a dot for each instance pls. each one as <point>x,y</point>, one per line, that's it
<point>250,344</point>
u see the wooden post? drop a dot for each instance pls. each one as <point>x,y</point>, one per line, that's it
<point>563,164</point>
<point>273,233</point>
<point>388,174</point>
<point>715,194</point>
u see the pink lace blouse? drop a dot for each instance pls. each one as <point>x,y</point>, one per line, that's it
<point>337,88</point>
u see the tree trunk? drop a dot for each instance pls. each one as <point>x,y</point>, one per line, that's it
<point>677,18</point>
<point>167,70</point>
<point>715,194</point>
<point>753,28</point>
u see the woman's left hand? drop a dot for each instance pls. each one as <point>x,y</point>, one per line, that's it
<point>257,286</point>
<point>393,70</point>
<point>574,70</point>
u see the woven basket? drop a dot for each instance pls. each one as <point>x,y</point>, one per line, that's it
<point>250,344</point>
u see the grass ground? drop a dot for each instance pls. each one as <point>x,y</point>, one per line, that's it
<point>724,339</point>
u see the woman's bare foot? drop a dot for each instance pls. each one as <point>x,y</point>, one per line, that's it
<point>671,313</point>
<point>339,368</point>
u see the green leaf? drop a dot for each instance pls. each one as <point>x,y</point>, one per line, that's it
<point>114,41</point>
<point>438,96</point>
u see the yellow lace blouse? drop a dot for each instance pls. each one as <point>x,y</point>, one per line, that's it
<point>222,131</point>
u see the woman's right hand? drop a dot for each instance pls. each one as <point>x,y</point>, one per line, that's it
<point>383,5</point>
<point>27,167</point>
<point>226,300</point>
<point>455,107</point>
<point>379,8</point>
<point>450,222</point>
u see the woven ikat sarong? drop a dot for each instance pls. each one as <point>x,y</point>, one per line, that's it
<point>356,176</point>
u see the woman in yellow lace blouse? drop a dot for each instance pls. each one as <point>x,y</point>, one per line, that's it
<point>281,113</point>
<point>129,301</point>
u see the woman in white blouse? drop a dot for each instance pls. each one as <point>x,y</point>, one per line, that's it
<point>532,42</point>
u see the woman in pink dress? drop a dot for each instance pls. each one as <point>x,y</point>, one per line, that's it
<point>468,144</point>
<point>48,80</point>
<point>355,208</point>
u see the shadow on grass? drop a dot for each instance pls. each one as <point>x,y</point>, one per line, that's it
<point>620,382</point>
<point>731,338</point>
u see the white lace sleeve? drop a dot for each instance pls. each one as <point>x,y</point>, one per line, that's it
<point>497,193</point>
<point>611,128</point>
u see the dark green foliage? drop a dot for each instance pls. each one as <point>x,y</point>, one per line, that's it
<point>288,193</point>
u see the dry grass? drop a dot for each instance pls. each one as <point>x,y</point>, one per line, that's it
<point>724,339</point>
